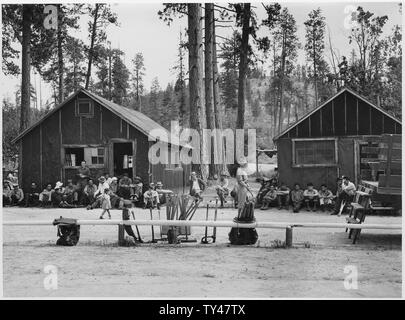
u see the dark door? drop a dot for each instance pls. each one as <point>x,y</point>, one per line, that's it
<point>123,158</point>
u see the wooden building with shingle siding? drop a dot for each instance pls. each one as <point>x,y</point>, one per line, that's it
<point>109,137</point>
<point>336,138</point>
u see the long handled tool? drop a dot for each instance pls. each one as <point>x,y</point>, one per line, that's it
<point>136,227</point>
<point>153,230</point>
<point>214,232</point>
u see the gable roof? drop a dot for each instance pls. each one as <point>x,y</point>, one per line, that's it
<point>329,100</point>
<point>135,118</point>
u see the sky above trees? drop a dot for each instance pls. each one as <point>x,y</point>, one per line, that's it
<point>141,30</point>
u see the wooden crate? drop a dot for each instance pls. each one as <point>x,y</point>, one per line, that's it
<point>183,230</point>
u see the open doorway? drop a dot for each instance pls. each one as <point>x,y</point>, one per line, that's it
<point>123,158</point>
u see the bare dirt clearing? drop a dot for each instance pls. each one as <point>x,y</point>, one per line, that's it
<point>97,267</point>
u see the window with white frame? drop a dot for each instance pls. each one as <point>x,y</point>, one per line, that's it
<point>94,156</point>
<point>317,152</point>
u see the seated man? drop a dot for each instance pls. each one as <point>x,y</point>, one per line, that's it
<point>270,199</point>
<point>32,196</point>
<point>162,192</point>
<point>136,190</point>
<point>197,186</point>
<point>102,185</point>
<point>57,195</point>
<point>151,197</point>
<point>283,196</point>
<point>262,191</point>
<point>45,196</point>
<point>325,198</point>
<point>222,188</point>
<point>297,197</point>
<point>16,196</point>
<point>275,175</point>
<point>124,187</point>
<point>274,182</point>
<point>70,194</point>
<point>114,185</point>
<point>345,196</point>
<point>311,197</point>
<point>6,193</point>
<point>88,193</point>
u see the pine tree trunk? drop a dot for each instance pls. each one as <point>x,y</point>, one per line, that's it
<point>209,81</point>
<point>217,101</point>
<point>315,74</point>
<point>60,57</point>
<point>93,37</point>
<point>196,82</point>
<point>240,120</point>
<point>280,120</point>
<point>25,66</point>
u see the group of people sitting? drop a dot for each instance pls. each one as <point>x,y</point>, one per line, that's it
<point>273,194</point>
<point>84,192</point>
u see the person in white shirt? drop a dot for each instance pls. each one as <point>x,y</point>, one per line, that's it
<point>311,197</point>
<point>102,185</point>
<point>197,186</point>
<point>345,196</point>
<point>151,197</point>
<point>222,188</point>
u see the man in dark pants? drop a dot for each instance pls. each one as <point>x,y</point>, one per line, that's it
<point>17,196</point>
<point>197,186</point>
<point>124,187</point>
<point>283,196</point>
<point>32,196</point>
<point>348,190</point>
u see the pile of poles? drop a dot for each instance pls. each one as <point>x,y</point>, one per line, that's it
<point>178,207</point>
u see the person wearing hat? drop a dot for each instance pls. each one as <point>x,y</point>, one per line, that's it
<point>124,186</point>
<point>151,197</point>
<point>136,190</point>
<point>197,186</point>
<point>243,193</point>
<point>114,184</point>
<point>222,188</point>
<point>345,196</point>
<point>102,185</point>
<point>45,196</point>
<point>162,192</point>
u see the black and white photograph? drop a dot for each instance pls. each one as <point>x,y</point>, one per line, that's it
<point>194,151</point>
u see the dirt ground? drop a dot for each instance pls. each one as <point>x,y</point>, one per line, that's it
<point>97,267</point>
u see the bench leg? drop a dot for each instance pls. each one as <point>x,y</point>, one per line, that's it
<point>356,235</point>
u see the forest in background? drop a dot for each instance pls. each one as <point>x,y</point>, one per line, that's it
<point>220,81</point>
